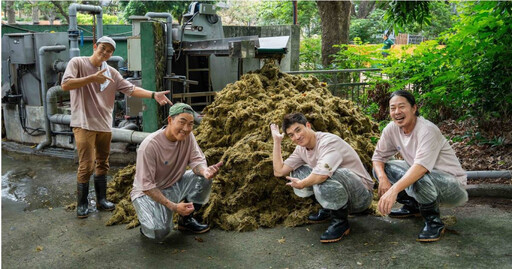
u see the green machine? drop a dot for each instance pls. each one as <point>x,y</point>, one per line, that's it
<point>193,60</point>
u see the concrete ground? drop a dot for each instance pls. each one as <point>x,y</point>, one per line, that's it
<point>37,232</point>
<point>55,238</point>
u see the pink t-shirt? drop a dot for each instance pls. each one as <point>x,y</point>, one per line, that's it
<point>160,162</point>
<point>330,153</point>
<point>91,109</point>
<point>425,146</point>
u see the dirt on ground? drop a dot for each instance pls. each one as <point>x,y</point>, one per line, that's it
<point>481,148</point>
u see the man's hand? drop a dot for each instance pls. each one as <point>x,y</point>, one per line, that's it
<point>276,135</point>
<point>99,77</point>
<point>387,201</point>
<point>161,99</point>
<point>212,170</point>
<point>184,209</point>
<point>384,185</point>
<point>295,182</point>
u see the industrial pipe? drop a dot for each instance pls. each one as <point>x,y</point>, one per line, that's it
<point>128,136</point>
<point>118,59</point>
<point>42,65</point>
<point>170,50</point>
<point>489,174</point>
<point>60,66</point>
<point>123,134</point>
<point>73,25</point>
<point>52,97</point>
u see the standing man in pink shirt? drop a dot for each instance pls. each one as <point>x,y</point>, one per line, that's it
<point>161,181</point>
<point>93,85</point>
<point>325,165</point>
<point>430,173</point>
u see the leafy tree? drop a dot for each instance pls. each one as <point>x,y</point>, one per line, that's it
<point>471,74</point>
<point>175,8</point>
<point>240,13</point>
<point>441,20</point>
<point>281,12</point>
<point>369,29</point>
<point>403,13</point>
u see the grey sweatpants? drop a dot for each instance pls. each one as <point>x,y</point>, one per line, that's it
<point>433,186</point>
<point>156,219</point>
<point>343,187</point>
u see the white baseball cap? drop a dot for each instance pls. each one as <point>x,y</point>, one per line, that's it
<point>108,40</point>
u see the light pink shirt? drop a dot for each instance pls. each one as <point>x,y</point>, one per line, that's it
<point>161,163</point>
<point>425,146</point>
<point>91,109</point>
<point>330,153</point>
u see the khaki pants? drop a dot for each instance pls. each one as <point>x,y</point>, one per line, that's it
<point>91,146</point>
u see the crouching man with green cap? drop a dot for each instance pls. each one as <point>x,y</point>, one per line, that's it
<point>162,185</point>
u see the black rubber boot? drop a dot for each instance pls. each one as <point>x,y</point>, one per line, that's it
<point>82,204</point>
<point>434,226</point>
<point>409,209</point>
<point>188,223</point>
<point>339,226</point>
<point>322,215</point>
<point>100,186</point>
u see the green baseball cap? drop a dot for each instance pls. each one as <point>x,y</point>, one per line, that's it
<point>179,108</point>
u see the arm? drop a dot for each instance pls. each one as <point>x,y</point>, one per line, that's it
<point>383,179</point>
<point>311,180</point>
<point>207,172</point>
<point>75,83</point>
<point>389,198</point>
<point>160,97</point>
<point>183,209</point>
<point>280,169</point>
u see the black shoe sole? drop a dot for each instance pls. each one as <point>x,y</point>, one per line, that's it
<point>83,216</point>
<point>183,228</point>
<point>432,239</point>
<point>336,239</point>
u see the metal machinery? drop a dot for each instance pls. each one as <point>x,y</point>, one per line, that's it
<point>199,61</point>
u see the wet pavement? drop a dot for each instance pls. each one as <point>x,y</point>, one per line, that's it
<point>37,232</point>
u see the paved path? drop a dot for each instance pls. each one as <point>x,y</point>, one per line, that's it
<point>45,238</point>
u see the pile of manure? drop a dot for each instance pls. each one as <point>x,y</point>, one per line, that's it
<point>235,129</point>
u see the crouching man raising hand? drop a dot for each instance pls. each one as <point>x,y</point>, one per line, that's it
<point>161,182</point>
<point>325,165</point>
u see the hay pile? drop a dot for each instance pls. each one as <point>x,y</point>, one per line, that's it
<point>236,130</point>
<point>118,191</point>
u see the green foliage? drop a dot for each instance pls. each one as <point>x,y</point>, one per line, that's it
<point>86,19</point>
<point>369,30</point>
<point>477,138</point>
<point>441,20</point>
<point>471,76</point>
<point>281,12</point>
<point>310,53</point>
<point>175,8</point>
<point>403,13</point>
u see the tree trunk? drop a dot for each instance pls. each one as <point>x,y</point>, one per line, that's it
<point>335,21</point>
<point>35,14</point>
<point>364,9</point>
<point>11,14</point>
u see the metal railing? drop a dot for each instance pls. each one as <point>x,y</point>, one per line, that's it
<point>350,84</point>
